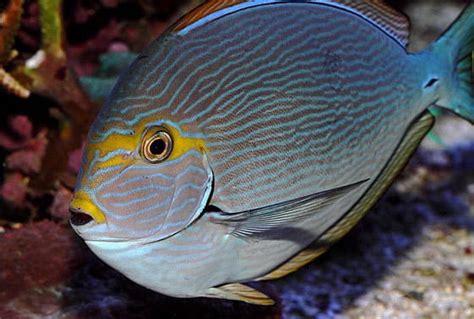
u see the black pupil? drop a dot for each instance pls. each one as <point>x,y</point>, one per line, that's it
<point>158,147</point>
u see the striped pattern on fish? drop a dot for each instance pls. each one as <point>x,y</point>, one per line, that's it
<point>232,92</point>
<point>394,23</point>
<point>251,130</point>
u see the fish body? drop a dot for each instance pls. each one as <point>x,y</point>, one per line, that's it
<point>254,134</point>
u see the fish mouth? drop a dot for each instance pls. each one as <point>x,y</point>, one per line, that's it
<point>84,211</point>
<point>79,218</point>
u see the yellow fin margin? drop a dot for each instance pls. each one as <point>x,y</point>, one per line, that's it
<point>241,292</point>
<point>202,11</point>
<point>304,257</point>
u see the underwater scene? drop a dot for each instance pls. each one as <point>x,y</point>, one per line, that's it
<point>236,159</point>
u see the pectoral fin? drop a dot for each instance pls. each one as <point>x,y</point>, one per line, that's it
<point>240,292</point>
<point>258,221</point>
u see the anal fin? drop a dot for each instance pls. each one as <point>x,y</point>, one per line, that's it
<point>240,292</point>
<point>304,257</point>
<point>406,148</point>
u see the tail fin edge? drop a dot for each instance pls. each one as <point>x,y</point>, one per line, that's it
<point>458,44</point>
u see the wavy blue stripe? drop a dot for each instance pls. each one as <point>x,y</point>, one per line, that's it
<point>112,154</point>
<point>252,162</point>
<point>140,212</point>
<point>202,66</point>
<point>249,75</point>
<point>197,49</point>
<point>315,102</point>
<point>182,205</point>
<point>131,202</point>
<point>164,107</point>
<point>255,81</point>
<point>263,46</point>
<point>150,188</point>
<point>266,175</point>
<point>97,138</point>
<point>153,167</point>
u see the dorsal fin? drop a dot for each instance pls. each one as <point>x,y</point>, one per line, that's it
<point>202,11</point>
<point>240,292</point>
<point>386,18</point>
<point>378,12</point>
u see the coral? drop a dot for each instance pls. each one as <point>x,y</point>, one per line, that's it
<point>48,69</point>
<point>75,160</point>
<point>37,255</point>
<point>10,84</point>
<point>16,132</point>
<point>28,160</point>
<point>9,23</point>
<point>60,207</point>
<point>14,188</point>
<point>48,73</point>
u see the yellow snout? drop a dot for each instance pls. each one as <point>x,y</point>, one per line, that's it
<point>81,203</point>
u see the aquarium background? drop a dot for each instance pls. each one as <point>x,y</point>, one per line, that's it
<point>411,257</point>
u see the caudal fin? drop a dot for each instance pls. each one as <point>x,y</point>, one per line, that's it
<point>457,45</point>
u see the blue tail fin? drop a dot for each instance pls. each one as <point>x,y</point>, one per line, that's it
<point>457,45</point>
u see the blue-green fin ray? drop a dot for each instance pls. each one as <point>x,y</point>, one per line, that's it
<point>457,44</point>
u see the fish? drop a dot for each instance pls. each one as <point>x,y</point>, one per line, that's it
<point>252,135</point>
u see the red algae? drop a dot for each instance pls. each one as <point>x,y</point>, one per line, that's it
<point>60,207</point>
<point>14,188</point>
<point>16,133</point>
<point>40,254</point>
<point>28,159</point>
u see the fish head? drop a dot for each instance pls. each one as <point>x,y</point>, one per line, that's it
<point>144,178</point>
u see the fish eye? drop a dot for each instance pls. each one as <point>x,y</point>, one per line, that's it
<point>157,145</point>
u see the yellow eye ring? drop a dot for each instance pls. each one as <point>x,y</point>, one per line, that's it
<point>157,145</point>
